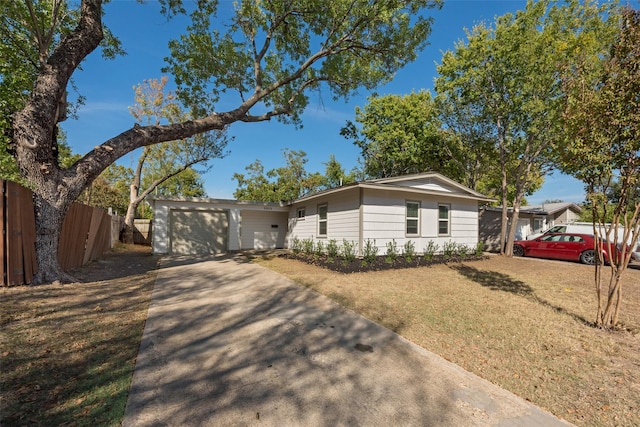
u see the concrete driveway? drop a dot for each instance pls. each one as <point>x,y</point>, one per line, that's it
<point>230,343</point>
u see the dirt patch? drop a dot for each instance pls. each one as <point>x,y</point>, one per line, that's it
<point>524,324</point>
<point>68,351</point>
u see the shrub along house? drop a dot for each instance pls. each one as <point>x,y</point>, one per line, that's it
<point>420,208</point>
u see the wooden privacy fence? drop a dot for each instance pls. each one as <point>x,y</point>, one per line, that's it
<point>142,231</point>
<point>85,235</point>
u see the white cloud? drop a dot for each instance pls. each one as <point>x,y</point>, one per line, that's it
<point>104,107</point>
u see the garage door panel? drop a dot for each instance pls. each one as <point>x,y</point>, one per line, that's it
<point>263,230</point>
<point>199,232</point>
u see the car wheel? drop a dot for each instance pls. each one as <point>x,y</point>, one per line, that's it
<point>518,250</point>
<point>588,257</point>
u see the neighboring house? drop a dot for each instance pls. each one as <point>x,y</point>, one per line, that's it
<point>418,208</point>
<point>532,219</point>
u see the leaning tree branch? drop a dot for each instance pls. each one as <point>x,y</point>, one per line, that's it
<point>159,181</point>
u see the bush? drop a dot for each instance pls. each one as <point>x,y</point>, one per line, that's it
<point>392,251</point>
<point>430,250</point>
<point>348,251</point>
<point>409,251</point>
<point>319,248</point>
<point>332,249</point>
<point>296,246</point>
<point>307,246</point>
<point>369,252</point>
<point>449,249</point>
<point>479,249</point>
<point>463,250</point>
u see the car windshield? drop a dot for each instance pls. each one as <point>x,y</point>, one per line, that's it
<point>557,229</point>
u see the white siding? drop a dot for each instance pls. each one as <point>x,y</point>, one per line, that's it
<point>384,216</point>
<point>342,218</point>
<point>428,184</point>
<point>262,230</point>
<point>464,222</point>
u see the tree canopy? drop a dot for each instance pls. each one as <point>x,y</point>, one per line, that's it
<point>506,79</point>
<point>169,163</point>
<point>289,182</point>
<point>270,54</point>
<point>399,135</point>
<point>602,147</point>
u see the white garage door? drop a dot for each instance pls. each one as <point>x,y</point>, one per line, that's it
<point>194,232</point>
<point>263,230</point>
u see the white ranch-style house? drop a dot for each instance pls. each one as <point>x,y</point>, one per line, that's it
<point>420,208</point>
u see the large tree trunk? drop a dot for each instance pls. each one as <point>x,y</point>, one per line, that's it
<point>504,222</point>
<point>129,222</point>
<point>134,197</point>
<point>49,218</point>
<point>504,188</point>
<point>515,216</point>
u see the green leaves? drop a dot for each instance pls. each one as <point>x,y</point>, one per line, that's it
<point>602,114</point>
<point>505,83</point>
<point>273,53</point>
<point>399,135</point>
<point>167,168</point>
<point>288,182</point>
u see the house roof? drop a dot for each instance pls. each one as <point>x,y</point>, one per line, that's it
<point>232,202</point>
<point>552,208</point>
<point>431,183</point>
<point>543,209</point>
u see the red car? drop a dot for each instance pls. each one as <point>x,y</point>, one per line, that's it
<point>565,246</point>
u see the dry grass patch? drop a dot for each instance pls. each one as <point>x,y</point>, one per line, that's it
<point>68,352</point>
<point>524,324</point>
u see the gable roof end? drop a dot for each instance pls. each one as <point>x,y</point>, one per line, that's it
<point>416,183</point>
<point>430,177</point>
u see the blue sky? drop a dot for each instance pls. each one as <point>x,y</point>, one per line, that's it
<point>108,88</point>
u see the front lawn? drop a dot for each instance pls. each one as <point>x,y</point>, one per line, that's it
<point>524,324</point>
<point>68,351</point>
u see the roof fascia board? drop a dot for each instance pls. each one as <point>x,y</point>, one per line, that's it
<point>203,200</point>
<point>387,187</point>
<point>324,193</point>
<point>436,175</point>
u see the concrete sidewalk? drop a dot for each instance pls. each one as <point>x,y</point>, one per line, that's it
<point>229,343</point>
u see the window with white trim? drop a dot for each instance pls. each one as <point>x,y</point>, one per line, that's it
<point>412,218</point>
<point>538,225</point>
<point>444,220</point>
<point>322,220</point>
<point>301,213</point>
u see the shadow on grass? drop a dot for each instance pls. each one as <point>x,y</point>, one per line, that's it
<point>494,280</point>
<point>502,282</point>
<point>69,351</point>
